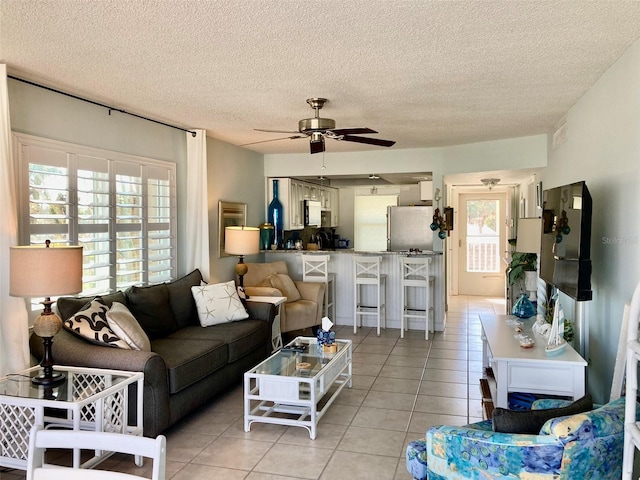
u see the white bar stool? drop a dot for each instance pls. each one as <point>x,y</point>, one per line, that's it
<point>367,272</point>
<point>415,274</point>
<point>315,268</point>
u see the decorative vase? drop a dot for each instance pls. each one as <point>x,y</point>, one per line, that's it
<point>275,214</point>
<point>523,307</point>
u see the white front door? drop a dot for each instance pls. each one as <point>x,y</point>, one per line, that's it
<point>481,269</point>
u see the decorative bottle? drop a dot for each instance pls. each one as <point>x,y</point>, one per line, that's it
<point>523,307</point>
<point>275,216</point>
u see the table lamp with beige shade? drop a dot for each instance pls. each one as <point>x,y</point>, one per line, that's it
<point>241,241</point>
<point>37,271</point>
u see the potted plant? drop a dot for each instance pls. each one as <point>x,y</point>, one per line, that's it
<point>521,263</point>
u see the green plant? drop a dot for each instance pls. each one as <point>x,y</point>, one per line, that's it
<point>520,263</point>
<point>568,324</point>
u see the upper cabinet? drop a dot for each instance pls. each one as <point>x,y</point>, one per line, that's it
<point>292,193</point>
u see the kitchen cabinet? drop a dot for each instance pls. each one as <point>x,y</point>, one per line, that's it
<point>290,194</point>
<point>334,206</point>
<point>293,192</point>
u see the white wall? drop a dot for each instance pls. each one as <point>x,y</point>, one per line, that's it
<point>234,175</point>
<point>603,148</point>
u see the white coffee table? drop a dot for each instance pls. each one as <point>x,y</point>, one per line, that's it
<point>89,399</point>
<point>279,391</point>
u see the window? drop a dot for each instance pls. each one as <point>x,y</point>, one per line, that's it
<point>120,208</point>
<point>371,221</point>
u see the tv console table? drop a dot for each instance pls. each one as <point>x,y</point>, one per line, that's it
<point>529,370</point>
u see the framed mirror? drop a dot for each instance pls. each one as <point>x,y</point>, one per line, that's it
<point>230,214</point>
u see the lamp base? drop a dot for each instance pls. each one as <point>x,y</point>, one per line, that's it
<point>49,379</point>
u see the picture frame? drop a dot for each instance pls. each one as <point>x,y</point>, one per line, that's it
<point>230,214</point>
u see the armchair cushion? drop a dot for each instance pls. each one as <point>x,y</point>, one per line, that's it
<point>283,282</point>
<point>531,421</point>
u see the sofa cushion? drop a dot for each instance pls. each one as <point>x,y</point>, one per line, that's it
<point>531,421</point>
<point>125,326</point>
<point>152,308</point>
<point>91,324</point>
<point>182,303</point>
<point>283,282</point>
<point>241,337</point>
<point>218,303</point>
<point>188,361</point>
<point>67,306</point>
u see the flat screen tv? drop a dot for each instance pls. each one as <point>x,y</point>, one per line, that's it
<point>565,250</point>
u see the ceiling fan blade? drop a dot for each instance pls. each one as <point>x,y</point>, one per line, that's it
<point>276,131</point>
<point>352,131</point>
<point>317,146</point>
<point>293,137</point>
<point>369,141</point>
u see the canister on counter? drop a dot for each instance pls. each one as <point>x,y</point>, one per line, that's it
<point>266,235</point>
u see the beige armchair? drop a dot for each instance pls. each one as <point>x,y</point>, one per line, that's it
<point>303,308</point>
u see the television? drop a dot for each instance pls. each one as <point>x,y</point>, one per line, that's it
<point>565,247</point>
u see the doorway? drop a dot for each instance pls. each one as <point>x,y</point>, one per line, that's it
<point>481,241</point>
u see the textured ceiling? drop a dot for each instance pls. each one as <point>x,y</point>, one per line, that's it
<point>422,73</point>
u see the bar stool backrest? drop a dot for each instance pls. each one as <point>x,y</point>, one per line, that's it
<point>315,268</point>
<point>367,269</point>
<point>415,269</point>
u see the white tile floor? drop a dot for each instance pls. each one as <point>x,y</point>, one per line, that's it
<point>401,387</point>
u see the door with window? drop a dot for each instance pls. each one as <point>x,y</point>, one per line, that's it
<point>482,241</point>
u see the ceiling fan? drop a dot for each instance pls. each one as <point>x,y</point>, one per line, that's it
<point>317,129</point>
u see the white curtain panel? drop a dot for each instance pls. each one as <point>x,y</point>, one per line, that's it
<point>197,222</point>
<point>14,331</point>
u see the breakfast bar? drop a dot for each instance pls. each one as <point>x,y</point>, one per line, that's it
<point>341,263</point>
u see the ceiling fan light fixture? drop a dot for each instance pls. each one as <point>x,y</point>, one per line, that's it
<point>490,182</point>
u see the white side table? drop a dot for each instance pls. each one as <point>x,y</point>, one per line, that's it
<point>276,337</point>
<point>90,399</point>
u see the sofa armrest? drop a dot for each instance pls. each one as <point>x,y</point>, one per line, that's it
<point>261,311</point>
<point>68,349</point>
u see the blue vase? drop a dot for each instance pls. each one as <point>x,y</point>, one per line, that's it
<point>523,307</point>
<point>275,214</point>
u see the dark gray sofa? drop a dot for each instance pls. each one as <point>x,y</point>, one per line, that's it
<point>188,364</point>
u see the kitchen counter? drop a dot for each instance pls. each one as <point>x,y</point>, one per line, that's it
<point>351,251</point>
<point>341,263</point>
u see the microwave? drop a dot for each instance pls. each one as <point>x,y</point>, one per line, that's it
<point>312,213</point>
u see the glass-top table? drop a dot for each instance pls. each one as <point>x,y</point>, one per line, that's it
<point>296,383</point>
<point>88,399</point>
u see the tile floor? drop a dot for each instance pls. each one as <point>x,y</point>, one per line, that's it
<point>400,388</point>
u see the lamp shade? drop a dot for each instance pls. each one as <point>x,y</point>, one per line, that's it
<point>529,235</point>
<point>36,271</point>
<point>242,240</point>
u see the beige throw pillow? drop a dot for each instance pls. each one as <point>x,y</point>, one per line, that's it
<point>218,303</point>
<point>284,283</point>
<point>125,326</point>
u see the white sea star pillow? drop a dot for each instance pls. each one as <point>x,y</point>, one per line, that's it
<point>218,303</point>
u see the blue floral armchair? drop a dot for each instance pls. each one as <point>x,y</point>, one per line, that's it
<point>586,445</point>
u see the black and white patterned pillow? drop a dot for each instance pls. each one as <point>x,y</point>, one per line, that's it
<point>91,324</point>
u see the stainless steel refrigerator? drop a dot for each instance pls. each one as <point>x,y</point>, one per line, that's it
<point>409,228</point>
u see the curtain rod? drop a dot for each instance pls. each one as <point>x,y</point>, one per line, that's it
<point>111,109</point>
